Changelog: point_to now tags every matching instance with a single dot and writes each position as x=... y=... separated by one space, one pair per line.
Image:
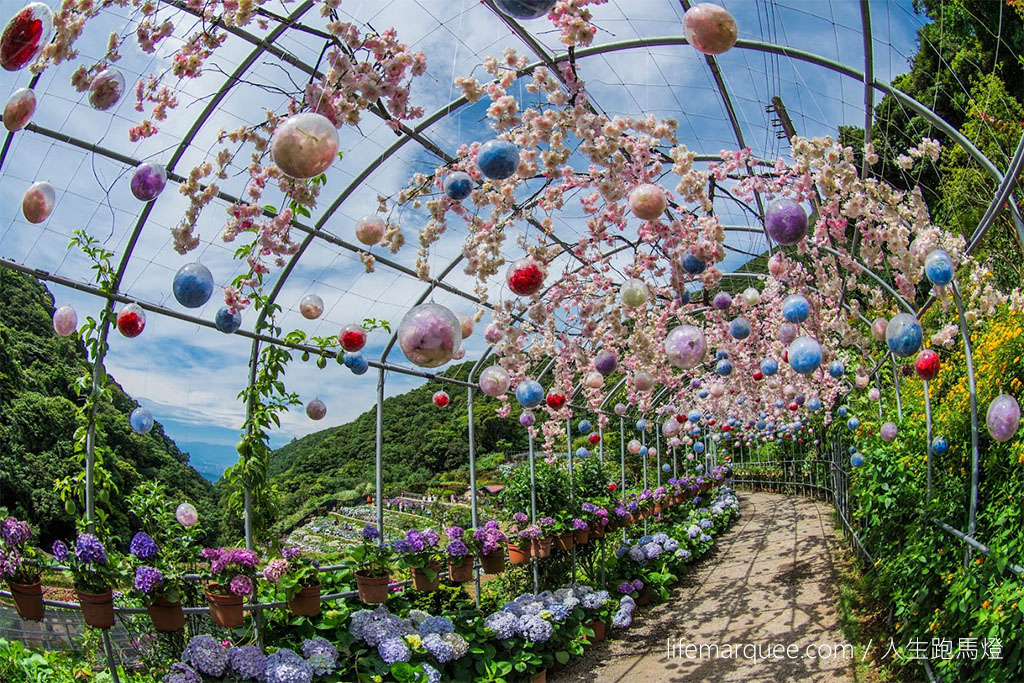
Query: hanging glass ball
x=709 y=28
x=670 y=428
x=856 y=460
x=527 y=418
x=494 y=381
x=1003 y=417
x=594 y=379
x=355 y=361
x=304 y=145
x=605 y=362
x=19 y=108
x=131 y=321
x=106 y=89
x=842 y=411
x=186 y=515
x=227 y=321
x=65 y=321
x=458 y=185
x=37 y=202
x=193 y=285
x=703 y=393
x=722 y=301
x=582 y=453
x=852 y=423
x=769 y=366
x=316 y=409
x=441 y=399
x=693 y=265
x=861 y=381
x=620 y=409
x=888 y=431
x=787 y=333
x=938 y=267
x=311 y=306
x=698 y=447
x=525 y=277
x=594 y=438
x=874 y=394
x=878 y=327
x=141 y=420
x=641 y=425
x=525 y=9
x=751 y=296
x=804 y=355
x=352 y=337
x=25 y=36
x=723 y=368
x=634 y=446
x=739 y=328
x=497 y=159
x=795 y=308
x=927 y=365
x=717 y=390
x=648 y=202
x=530 y=393
x=940 y=446
x=685 y=347
x=584 y=426
x=634 y=293
x=786 y=221
x=429 y=335
x=148 y=181
x=653 y=452
x=465 y=325
x=555 y=400
x=903 y=335
x=814 y=404
x=493 y=334
x=370 y=230
x=643 y=380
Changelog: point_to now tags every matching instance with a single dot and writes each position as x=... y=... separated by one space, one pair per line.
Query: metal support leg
x=533 y=510
x=472 y=489
x=973 y=390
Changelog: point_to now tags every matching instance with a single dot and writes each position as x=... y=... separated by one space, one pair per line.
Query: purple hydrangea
x=454 y=532
x=394 y=650
x=636 y=553
x=403 y=546
x=321 y=655
x=534 y=629
x=431 y=537
x=243 y=557
x=147 y=579
x=241 y=585
x=89 y=550
x=438 y=648
x=14 y=532
x=285 y=666
x=290 y=552
x=182 y=673
x=439 y=625
x=578 y=524
x=275 y=569
x=60 y=551
x=504 y=624
x=204 y=654
x=622 y=619
x=559 y=611
x=589 y=507
x=143 y=546
x=531 y=532
x=520 y=518
x=625 y=588
x=247 y=663
x=652 y=550
x=433 y=675
x=594 y=600
x=370 y=533
x=456 y=548
x=638 y=585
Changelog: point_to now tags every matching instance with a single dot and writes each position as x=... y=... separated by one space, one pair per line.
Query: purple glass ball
x=527 y=419
x=722 y=301
x=889 y=431
x=786 y=221
x=148 y=181
x=787 y=333
x=1003 y=417
x=605 y=362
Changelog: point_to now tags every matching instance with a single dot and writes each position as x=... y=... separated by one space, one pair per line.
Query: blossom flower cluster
x=204 y=658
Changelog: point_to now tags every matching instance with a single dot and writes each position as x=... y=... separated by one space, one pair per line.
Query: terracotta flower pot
x=518 y=554
x=612 y=526
x=541 y=547
x=28 y=598
x=658 y=507
x=422 y=582
x=582 y=536
x=597 y=530
x=598 y=627
x=97 y=608
x=628 y=520
x=166 y=616
x=645 y=596
x=565 y=541
x=306 y=603
x=225 y=609
x=461 y=573
x=494 y=563
x=373 y=590
x=540 y=677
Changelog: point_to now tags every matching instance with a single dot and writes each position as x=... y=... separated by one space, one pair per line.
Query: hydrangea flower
x=454 y=532
x=636 y=553
x=638 y=585
x=204 y=654
x=440 y=625
x=693 y=531
x=285 y=666
x=90 y=550
x=275 y=569
x=241 y=585
x=60 y=551
x=578 y=524
x=625 y=588
x=438 y=648
x=433 y=675
x=622 y=619
x=520 y=518
x=705 y=523
x=247 y=663
x=621 y=551
x=143 y=546
x=534 y=629
x=321 y=655
x=182 y=673
x=683 y=554
x=594 y=600
x=559 y=611
x=456 y=548
x=670 y=545
x=394 y=650
x=290 y=552
x=370 y=533
x=15 y=532
x=503 y=623
x=147 y=579
x=652 y=550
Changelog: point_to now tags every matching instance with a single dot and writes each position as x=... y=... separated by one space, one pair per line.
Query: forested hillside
x=38 y=371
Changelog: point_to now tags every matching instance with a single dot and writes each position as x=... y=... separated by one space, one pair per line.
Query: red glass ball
x=612 y=487
x=758 y=375
x=927 y=365
x=726 y=428
x=525 y=278
x=594 y=438
x=711 y=423
x=555 y=400
x=793 y=406
x=131 y=321
x=441 y=399
x=352 y=340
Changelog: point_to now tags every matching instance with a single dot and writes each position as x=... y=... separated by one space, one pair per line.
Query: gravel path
x=770 y=583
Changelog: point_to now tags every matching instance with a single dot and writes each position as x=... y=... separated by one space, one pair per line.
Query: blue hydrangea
x=356 y=623
x=204 y=654
x=417 y=617
x=660 y=537
x=622 y=619
x=535 y=629
x=595 y=600
x=182 y=673
x=535 y=607
x=670 y=545
x=705 y=523
x=438 y=648
x=652 y=550
x=644 y=540
x=693 y=531
x=394 y=650
x=637 y=554
x=143 y=546
x=433 y=675
x=458 y=644
x=504 y=624
x=683 y=554
x=321 y=655
x=559 y=611
x=570 y=602
x=704 y=538
x=627 y=603
x=621 y=551
x=247 y=663
x=286 y=666
x=436 y=625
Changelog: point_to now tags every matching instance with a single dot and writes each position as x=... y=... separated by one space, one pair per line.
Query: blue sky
x=189 y=376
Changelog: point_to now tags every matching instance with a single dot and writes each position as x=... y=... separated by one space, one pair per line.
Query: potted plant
x=581 y=531
x=231 y=578
x=460 y=555
x=520 y=551
x=596 y=610
x=299 y=576
x=489 y=540
x=156 y=583
x=564 y=533
x=541 y=546
x=373 y=566
x=22 y=566
x=94 y=574
x=419 y=552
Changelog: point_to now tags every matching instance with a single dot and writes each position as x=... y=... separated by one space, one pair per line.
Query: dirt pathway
x=769 y=586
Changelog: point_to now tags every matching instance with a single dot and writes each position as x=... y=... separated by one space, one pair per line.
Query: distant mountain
x=38 y=370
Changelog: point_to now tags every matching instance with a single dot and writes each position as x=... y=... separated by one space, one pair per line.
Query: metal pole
x=643 y=442
x=878 y=383
x=622 y=467
x=533 y=509
x=380 y=454
x=657 y=437
x=568 y=448
x=972 y=388
x=472 y=489
x=896 y=382
x=928 y=435
x=600 y=443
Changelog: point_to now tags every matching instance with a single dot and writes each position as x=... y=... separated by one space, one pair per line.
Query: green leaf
x=562 y=656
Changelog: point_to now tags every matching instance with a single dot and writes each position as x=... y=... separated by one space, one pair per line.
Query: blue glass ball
x=857 y=460
x=903 y=334
x=853 y=423
x=761 y=425
x=582 y=452
x=814 y=404
x=703 y=393
x=584 y=426
x=694 y=416
x=141 y=420
x=193 y=285
x=497 y=159
x=693 y=265
x=228 y=322
x=723 y=368
x=356 y=362
x=525 y=9
x=779 y=403
x=796 y=308
x=720 y=354
x=836 y=369
x=739 y=328
x=698 y=447
x=641 y=425
x=699 y=468
x=458 y=185
x=938 y=267
x=804 y=355
x=530 y=393
x=940 y=446
x=853 y=449
x=684 y=297
x=666 y=468
x=769 y=366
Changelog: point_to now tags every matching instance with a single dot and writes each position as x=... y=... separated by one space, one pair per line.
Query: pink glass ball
x=370 y=230
x=670 y=428
x=874 y=394
x=878 y=328
x=594 y=379
x=494 y=381
x=493 y=334
x=18 y=110
x=311 y=306
x=710 y=28
x=634 y=446
x=186 y=515
x=37 y=202
x=888 y=431
x=106 y=89
x=304 y=145
x=1003 y=417
x=643 y=380
x=620 y=409
x=65 y=321
x=316 y=409
x=648 y=202
x=527 y=418
x=787 y=333
x=429 y=335
x=862 y=381
x=717 y=390
x=148 y=181
x=466 y=324
x=685 y=347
